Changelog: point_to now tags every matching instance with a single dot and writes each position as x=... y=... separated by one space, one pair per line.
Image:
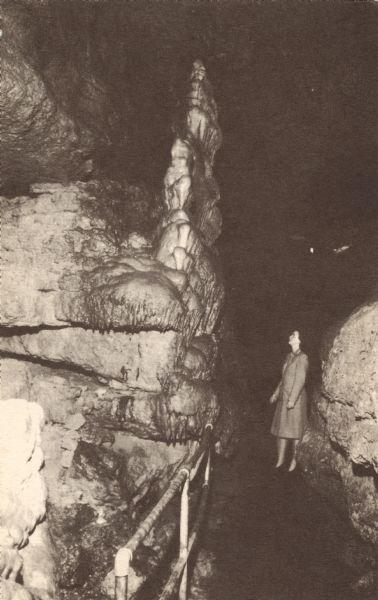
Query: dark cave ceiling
x=296 y=85
x=90 y=89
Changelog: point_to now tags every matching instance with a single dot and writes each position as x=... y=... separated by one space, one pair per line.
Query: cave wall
x=111 y=322
x=111 y=314
x=23 y=503
x=61 y=117
x=339 y=451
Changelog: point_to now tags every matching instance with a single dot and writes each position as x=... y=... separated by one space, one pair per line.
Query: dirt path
x=270 y=534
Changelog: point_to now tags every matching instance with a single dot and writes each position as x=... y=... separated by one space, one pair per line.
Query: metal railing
x=179 y=482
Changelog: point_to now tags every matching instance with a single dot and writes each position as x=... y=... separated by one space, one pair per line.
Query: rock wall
x=59 y=116
x=23 y=504
x=111 y=321
x=339 y=452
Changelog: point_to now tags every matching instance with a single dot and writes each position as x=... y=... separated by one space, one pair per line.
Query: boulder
x=339 y=451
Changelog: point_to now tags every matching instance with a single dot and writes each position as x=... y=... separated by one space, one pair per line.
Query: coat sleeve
x=301 y=368
x=277 y=391
x=278 y=388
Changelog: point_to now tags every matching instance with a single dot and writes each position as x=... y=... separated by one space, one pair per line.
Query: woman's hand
x=290 y=405
x=273 y=398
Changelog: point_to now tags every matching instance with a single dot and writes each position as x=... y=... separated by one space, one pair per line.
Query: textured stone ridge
x=189 y=178
x=127 y=358
x=185 y=242
x=111 y=314
x=339 y=452
x=63 y=263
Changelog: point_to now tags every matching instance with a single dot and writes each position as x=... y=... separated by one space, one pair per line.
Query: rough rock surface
x=62 y=256
x=25 y=545
x=126 y=358
x=339 y=452
x=57 y=116
x=111 y=314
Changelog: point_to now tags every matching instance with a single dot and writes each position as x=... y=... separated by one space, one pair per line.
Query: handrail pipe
x=181 y=479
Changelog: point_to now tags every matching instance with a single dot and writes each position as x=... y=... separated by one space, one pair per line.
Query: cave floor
x=272 y=537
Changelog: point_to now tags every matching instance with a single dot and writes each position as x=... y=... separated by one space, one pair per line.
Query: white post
x=121 y=572
x=207 y=470
x=184 y=533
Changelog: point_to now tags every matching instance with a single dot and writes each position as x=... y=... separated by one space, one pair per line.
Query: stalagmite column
x=192 y=220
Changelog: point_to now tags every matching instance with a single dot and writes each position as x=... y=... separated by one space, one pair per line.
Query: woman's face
x=294 y=340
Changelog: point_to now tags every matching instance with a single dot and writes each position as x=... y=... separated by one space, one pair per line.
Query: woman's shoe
x=293 y=466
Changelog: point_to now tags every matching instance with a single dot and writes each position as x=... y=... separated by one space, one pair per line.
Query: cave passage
x=295 y=86
x=273 y=537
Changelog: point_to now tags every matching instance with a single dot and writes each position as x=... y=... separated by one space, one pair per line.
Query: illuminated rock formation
x=339 y=452
x=111 y=314
x=113 y=304
x=23 y=504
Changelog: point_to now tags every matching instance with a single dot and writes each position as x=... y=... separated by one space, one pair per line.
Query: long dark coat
x=291 y=423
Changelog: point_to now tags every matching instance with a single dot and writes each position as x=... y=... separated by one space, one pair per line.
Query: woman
x=290 y=416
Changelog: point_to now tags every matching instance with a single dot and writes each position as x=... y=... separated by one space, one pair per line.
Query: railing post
x=184 y=534
x=121 y=588
x=180 y=481
x=121 y=572
x=207 y=470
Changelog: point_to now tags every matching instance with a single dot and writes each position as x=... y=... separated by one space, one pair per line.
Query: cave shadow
x=363 y=472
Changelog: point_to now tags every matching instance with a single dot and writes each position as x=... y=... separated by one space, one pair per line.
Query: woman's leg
x=293 y=463
x=281 y=451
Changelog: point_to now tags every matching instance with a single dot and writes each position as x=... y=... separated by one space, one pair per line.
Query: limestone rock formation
x=59 y=248
x=56 y=117
x=23 y=503
x=111 y=313
x=190 y=173
x=339 y=452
